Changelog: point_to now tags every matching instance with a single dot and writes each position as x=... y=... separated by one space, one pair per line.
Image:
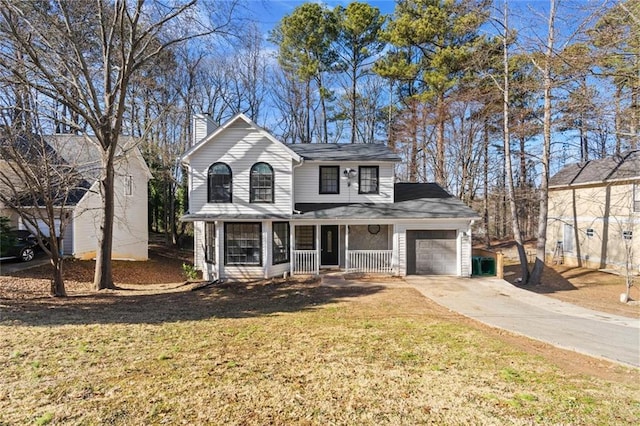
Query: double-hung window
x=209 y=242
x=305 y=237
x=261 y=184
x=368 y=180
x=280 y=242
x=329 y=179
x=219 y=183
x=243 y=243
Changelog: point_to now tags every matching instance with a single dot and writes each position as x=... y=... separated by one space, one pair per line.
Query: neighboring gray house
x=130 y=232
x=262 y=208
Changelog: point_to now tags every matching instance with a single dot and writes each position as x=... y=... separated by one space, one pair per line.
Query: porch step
x=334 y=278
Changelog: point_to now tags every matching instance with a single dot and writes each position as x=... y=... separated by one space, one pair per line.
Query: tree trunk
x=413 y=161
x=538 y=267
x=102 y=278
x=485 y=204
x=440 y=107
x=515 y=224
x=354 y=93
x=618 y=120
x=57 y=288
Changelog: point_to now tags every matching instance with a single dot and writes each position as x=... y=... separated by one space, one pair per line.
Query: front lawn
x=282 y=353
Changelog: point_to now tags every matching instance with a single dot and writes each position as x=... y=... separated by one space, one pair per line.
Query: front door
x=329 y=245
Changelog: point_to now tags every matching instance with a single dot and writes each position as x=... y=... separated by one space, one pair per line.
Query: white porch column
x=266 y=247
x=346 y=248
x=292 y=240
x=218 y=250
x=395 y=261
x=318 y=249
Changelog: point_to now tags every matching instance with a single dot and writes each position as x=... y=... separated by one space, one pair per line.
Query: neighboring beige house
x=594 y=213
x=262 y=208
x=130 y=233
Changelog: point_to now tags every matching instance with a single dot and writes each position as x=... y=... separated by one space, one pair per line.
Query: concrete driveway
x=8 y=267
x=499 y=304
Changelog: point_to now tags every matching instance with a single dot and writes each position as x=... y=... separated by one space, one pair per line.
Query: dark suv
x=20 y=244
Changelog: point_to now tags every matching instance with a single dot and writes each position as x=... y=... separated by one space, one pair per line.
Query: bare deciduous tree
x=85 y=54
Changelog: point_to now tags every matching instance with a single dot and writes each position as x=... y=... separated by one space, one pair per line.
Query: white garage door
x=432 y=252
x=436 y=257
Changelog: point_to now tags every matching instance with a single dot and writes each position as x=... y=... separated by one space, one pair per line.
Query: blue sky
x=269 y=12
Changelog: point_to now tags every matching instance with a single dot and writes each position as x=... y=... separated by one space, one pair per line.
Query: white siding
x=240 y=149
x=307 y=186
x=130 y=226
x=198 y=246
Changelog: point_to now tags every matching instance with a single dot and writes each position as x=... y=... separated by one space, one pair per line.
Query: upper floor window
x=261 y=184
x=636 y=197
x=219 y=183
x=329 y=179
x=368 y=182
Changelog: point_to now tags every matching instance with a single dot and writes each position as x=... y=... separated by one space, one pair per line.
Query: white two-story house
x=262 y=208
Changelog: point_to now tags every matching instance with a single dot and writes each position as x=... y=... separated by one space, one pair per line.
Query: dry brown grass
x=282 y=352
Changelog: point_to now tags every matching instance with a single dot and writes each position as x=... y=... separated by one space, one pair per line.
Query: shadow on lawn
x=552 y=281
x=233 y=300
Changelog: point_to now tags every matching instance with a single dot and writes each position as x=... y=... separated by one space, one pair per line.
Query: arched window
x=219 y=183
x=261 y=185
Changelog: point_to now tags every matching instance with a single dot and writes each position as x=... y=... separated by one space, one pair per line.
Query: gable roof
x=616 y=168
x=82 y=152
x=67 y=186
x=344 y=152
x=233 y=121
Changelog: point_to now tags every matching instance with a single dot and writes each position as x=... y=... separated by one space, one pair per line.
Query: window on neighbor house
x=568 y=238
x=329 y=179
x=261 y=184
x=636 y=197
x=219 y=183
x=280 y=243
x=128 y=185
x=243 y=243
x=209 y=242
x=368 y=180
x=305 y=237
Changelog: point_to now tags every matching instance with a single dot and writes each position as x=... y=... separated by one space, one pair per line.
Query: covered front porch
x=356 y=247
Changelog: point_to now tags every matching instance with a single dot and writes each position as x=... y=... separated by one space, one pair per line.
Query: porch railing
x=304 y=262
x=370 y=261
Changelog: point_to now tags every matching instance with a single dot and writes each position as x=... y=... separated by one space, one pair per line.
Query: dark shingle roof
x=412 y=201
x=413 y=191
x=617 y=167
x=344 y=152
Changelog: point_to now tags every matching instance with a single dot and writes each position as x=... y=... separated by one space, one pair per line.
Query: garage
x=432 y=252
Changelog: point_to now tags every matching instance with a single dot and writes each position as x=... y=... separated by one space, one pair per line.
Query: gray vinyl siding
x=67 y=239
x=240 y=149
x=307 y=187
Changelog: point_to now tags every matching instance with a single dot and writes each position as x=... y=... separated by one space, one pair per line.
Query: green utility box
x=476 y=262
x=483 y=265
